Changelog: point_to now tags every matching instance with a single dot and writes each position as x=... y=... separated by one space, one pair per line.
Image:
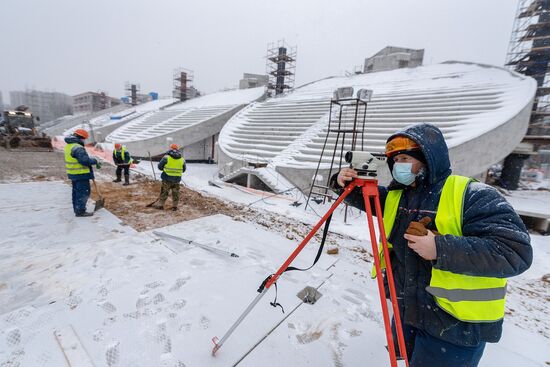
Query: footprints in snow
x=360 y=305
x=13 y=341
x=112 y=354
x=107 y=307
x=204 y=322
x=180 y=282
x=356 y=297
x=13 y=337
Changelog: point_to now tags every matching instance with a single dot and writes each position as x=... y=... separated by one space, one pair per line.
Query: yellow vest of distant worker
x=71 y=163
x=120 y=155
x=467 y=298
x=174 y=167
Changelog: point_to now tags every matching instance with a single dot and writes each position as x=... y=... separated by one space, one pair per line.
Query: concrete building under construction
x=46 y=105
x=89 y=102
x=253 y=81
x=391 y=58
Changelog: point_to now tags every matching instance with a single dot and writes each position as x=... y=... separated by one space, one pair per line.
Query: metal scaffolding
x=103 y=100
x=529 y=54
x=182 y=84
x=345 y=132
x=280 y=66
x=132 y=90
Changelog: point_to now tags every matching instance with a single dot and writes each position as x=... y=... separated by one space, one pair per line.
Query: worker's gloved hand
x=420 y=228
x=98 y=165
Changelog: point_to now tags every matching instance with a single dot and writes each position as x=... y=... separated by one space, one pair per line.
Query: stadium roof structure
x=482 y=110
x=183 y=123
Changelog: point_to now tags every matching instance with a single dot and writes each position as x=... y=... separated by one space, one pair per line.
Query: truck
x=18 y=130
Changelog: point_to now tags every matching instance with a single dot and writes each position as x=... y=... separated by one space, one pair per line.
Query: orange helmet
x=118 y=146
x=400 y=144
x=81 y=133
x=174 y=146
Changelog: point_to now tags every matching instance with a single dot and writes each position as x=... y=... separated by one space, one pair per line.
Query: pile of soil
x=18 y=165
x=129 y=203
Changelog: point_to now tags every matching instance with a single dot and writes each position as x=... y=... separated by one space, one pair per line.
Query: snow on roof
x=58 y=126
x=181 y=115
x=119 y=116
x=141 y=108
x=227 y=97
x=465 y=100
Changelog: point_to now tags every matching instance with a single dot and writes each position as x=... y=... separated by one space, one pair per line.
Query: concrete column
x=511 y=170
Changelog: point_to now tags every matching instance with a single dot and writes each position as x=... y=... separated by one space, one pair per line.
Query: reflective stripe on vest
x=71 y=163
x=390 y=212
x=120 y=155
x=467 y=298
x=174 y=167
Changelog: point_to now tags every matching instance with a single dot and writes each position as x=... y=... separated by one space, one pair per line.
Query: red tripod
x=369 y=188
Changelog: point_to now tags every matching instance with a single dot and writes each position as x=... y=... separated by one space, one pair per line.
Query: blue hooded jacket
x=176 y=155
x=82 y=157
x=495 y=242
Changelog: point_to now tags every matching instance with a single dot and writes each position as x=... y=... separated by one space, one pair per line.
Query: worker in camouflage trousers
x=79 y=170
x=453 y=242
x=122 y=159
x=172 y=166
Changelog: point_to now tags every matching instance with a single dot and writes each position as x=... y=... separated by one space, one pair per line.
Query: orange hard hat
x=174 y=146
x=82 y=133
x=118 y=146
x=400 y=144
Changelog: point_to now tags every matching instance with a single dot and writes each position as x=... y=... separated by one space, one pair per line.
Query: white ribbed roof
x=464 y=100
x=157 y=124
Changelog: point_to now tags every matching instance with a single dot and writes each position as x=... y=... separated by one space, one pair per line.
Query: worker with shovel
x=453 y=242
x=172 y=166
x=122 y=159
x=79 y=169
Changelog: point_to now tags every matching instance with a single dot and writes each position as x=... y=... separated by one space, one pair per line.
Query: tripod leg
x=391 y=284
x=381 y=291
x=273 y=278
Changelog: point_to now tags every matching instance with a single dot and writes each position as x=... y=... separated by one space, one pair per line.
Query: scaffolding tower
x=103 y=100
x=529 y=54
x=132 y=90
x=345 y=132
x=280 y=67
x=182 y=84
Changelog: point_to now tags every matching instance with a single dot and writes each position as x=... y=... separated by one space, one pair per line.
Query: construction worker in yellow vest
x=172 y=166
x=79 y=170
x=122 y=160
x=454 y=241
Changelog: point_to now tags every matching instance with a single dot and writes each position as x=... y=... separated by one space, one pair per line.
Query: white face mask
x=402 y=173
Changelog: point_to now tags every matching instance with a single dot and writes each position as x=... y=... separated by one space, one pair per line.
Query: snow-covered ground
x=123 y=298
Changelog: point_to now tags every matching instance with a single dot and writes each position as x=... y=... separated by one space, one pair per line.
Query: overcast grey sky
x=72 y=46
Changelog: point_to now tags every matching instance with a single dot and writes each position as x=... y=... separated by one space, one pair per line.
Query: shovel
x=100 y=202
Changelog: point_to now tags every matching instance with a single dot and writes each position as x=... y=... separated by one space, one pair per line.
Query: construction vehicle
x=18 y=130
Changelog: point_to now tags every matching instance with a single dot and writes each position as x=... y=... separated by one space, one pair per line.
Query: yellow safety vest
x=174 y=167
x=467 y=298
x=72 y=165
x=122 y=152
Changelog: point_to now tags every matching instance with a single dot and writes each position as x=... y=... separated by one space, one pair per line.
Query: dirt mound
x=19 y=165
x=129 y=203
x=25 y=141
